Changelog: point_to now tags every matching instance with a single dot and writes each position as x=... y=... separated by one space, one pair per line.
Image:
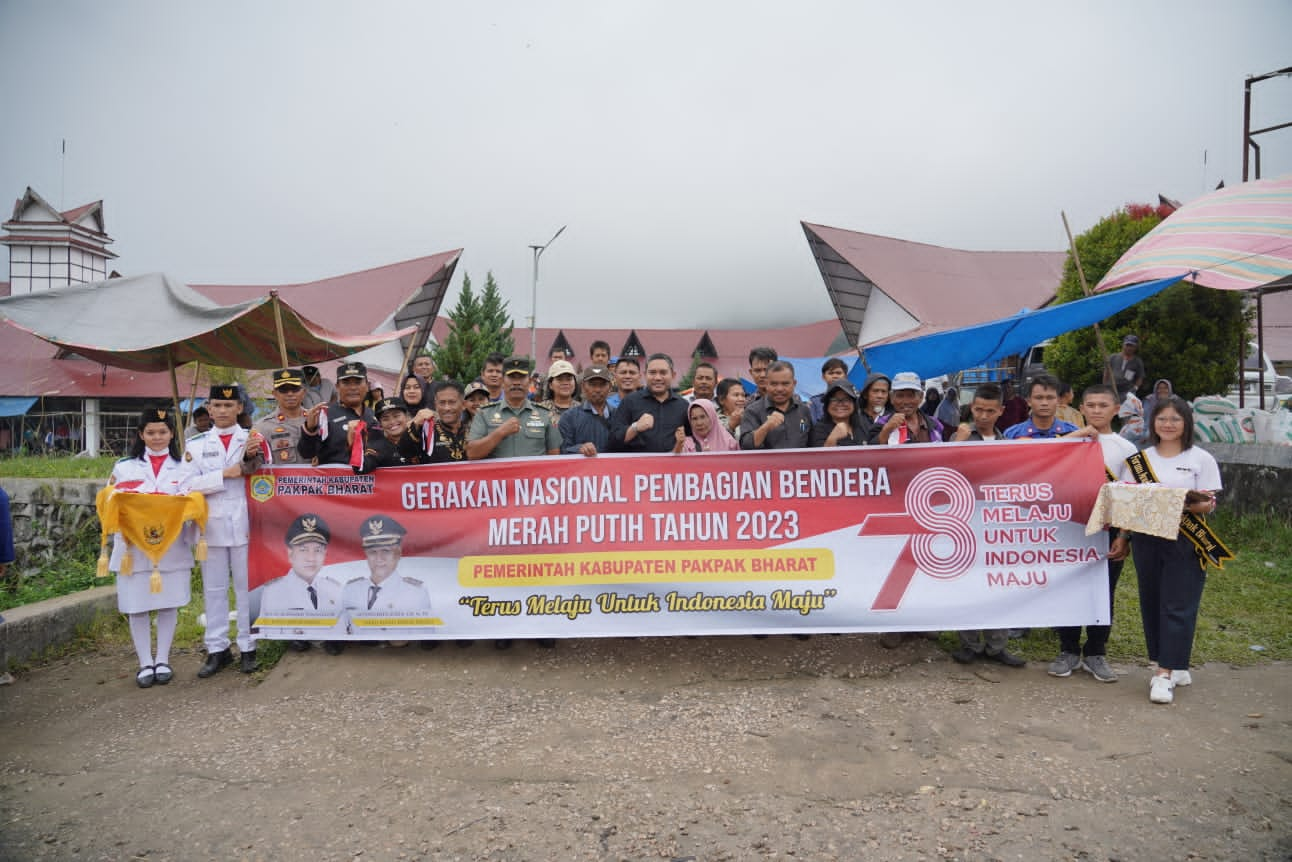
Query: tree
x=1188 y=334
x=478 y=326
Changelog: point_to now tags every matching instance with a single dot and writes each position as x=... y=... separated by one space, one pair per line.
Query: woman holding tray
x=1171 y=572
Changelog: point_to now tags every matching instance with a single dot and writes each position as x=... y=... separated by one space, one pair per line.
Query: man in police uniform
x=397 y=444
x=384 y=589
x=514 y=426
x=281 y=430
x=303 y=588
x=324 y=432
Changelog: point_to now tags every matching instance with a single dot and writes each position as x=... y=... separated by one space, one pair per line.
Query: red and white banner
x=864 y=539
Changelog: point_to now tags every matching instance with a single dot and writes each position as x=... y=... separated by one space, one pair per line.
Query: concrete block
x=31 y=630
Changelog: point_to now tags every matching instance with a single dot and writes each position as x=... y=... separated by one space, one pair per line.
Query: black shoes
x=1005 y=657
x=333 y=647
x=162 y=674
x=146 y=677
x=249 y=661
x=428 y=645
x=215 y=662
x=964 y=655
x=298 y=646
x=502 y=644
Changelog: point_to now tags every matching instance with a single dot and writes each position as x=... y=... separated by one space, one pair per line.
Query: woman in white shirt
x=1170 y=573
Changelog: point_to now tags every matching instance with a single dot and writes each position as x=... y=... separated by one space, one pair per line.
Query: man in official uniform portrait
x=384 y=589
x=304 y=588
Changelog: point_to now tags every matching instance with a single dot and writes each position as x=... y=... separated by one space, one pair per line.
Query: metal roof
x=940 y=288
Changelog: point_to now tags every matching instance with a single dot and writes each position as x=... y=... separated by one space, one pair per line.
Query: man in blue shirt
x=1043 y=421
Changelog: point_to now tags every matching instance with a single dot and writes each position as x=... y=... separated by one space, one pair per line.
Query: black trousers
x=1096 y=636
x=1170 y=590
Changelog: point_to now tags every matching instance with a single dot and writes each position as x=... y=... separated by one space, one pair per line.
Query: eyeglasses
x=842 y=401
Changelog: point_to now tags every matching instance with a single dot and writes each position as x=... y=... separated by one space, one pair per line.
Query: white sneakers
x=1161 y=689
x=1181 y=677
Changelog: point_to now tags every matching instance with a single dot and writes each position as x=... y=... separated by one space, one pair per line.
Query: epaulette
x=354 y=580
x=412 y=582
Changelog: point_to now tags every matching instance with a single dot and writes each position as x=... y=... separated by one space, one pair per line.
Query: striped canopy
x=152 y=323
x=1232 y=239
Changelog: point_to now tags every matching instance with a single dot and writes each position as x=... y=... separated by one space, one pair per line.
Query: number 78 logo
x=939 y=504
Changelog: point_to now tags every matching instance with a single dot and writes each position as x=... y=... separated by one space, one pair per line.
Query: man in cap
x=384 y=589
x=778 y=420
x=515 y=426
x=325 y=437
x=218 y=465
x=281 y=430
x=304 y=588
x=317 y=390
x=1126 y=370
x=397 y=445
x=585 y=428
x=906 y=424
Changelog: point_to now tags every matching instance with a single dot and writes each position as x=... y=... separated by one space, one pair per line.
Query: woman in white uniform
x=153 y=467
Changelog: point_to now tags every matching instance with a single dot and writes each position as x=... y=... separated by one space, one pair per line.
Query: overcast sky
x=682 y=142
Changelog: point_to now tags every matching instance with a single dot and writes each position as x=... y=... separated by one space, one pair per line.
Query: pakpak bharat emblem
x=262 y=488
x=153 y=534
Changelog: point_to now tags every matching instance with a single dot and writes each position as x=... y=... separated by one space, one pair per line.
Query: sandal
x=162 y=673
x=146 y=677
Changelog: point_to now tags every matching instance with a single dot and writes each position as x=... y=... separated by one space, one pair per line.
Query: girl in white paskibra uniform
x=153 y=467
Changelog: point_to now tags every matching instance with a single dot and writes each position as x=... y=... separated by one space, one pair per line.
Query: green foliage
x=1190 y=335
x=478 y=326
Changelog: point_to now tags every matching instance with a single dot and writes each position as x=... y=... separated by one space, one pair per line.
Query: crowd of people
x=630 y=406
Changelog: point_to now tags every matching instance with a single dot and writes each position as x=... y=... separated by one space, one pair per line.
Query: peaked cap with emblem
x=308 y=528
x=516 y=365
x=225 y=392
x=389 y=404
x=289 y=377
x=380 y=531
x=351 y=369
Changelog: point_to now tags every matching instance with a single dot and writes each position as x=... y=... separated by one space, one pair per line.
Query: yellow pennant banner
x=150 y=522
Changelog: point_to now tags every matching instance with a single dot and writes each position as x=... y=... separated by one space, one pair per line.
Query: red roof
x=732 y=345
x=357 y=302
x=942 y=288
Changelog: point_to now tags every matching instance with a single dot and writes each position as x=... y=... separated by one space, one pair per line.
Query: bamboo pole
x=278 y=325
x=174 y=394
x=1085 y=289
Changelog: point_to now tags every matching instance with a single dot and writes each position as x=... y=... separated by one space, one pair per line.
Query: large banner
x=865 y=539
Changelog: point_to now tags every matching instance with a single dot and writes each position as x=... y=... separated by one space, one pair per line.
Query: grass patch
x=57 y=467
x=1243 y=606
x=75 y=571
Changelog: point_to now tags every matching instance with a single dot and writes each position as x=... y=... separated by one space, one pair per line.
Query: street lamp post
x=533 y=305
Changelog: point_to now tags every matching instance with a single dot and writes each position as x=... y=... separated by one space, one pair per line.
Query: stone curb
x=31 y=630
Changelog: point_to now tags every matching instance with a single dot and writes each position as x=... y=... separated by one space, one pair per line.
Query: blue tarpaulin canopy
x=11 y=406
x=984 y=343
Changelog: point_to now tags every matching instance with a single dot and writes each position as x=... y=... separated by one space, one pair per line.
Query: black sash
x=1206 y=544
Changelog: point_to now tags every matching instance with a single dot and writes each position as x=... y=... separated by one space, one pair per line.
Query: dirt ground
x=682 y=749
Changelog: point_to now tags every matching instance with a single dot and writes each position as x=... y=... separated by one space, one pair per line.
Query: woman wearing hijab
x=931 y=401
x=1162 y=391
x=948 y=412
x=416 y=393
x=843 y=424
x=708 y=434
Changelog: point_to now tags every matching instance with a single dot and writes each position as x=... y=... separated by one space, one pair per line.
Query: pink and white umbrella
x=1234 y=238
